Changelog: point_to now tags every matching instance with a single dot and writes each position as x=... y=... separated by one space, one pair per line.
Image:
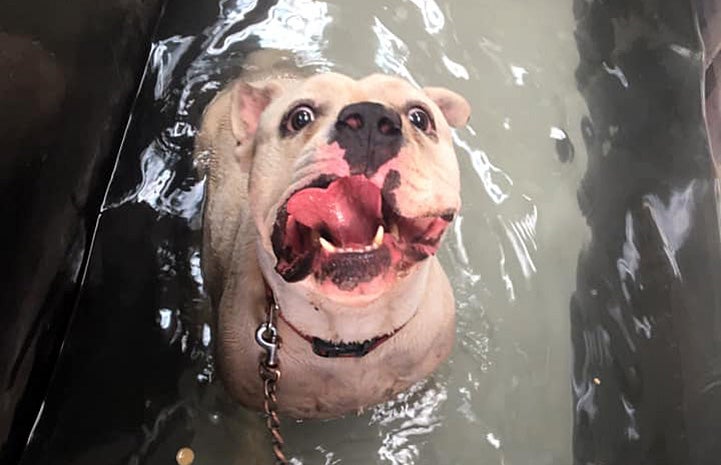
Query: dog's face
x=353 y=182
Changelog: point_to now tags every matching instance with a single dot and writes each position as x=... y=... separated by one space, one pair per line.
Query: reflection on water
x=504 y=395
x=621 y=226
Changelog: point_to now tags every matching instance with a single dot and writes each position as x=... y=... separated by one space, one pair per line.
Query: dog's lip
x=350 y=255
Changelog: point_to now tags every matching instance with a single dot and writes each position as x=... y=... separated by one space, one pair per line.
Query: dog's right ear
x=246 y=106
x=454 y=107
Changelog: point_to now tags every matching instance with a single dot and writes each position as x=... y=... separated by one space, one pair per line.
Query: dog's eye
x=420 y=119
x=300 y=117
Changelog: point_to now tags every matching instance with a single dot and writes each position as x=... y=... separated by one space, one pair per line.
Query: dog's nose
x=371 y=135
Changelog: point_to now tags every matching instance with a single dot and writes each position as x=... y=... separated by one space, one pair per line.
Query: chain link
x=267 y=337
x=270 y=377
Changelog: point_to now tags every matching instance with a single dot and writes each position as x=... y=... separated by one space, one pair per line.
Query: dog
x=329 y=196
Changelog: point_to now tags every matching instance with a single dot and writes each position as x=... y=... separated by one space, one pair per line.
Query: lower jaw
x=362 y=293
x=386 y=286
x=374 y=308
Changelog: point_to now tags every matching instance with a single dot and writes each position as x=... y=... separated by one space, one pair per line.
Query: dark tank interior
x=106 y=332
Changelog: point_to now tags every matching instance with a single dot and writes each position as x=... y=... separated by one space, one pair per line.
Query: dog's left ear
x=454 y=107
x=247 y=104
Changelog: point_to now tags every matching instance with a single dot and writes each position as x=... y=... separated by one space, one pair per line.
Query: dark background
x=649 y=198
x=68 y=75
x=69 y=72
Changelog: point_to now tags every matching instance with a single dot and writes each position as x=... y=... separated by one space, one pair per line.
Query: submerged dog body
x=334 y=194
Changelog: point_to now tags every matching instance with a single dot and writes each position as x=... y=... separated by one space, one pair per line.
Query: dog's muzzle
x=347 y=233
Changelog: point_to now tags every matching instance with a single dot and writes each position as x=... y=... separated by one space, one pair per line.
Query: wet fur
x=234 y=255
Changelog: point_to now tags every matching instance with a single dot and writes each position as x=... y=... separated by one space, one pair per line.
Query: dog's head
x=353 y=182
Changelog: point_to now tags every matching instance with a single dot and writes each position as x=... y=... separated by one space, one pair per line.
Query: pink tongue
x=349 y=209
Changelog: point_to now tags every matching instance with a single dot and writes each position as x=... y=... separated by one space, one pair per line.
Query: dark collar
x=330 y=349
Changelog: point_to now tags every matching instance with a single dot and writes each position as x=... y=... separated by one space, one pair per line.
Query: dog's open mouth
x=343 y=231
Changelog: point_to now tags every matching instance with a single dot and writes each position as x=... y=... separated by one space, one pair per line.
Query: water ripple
x=433 y=18
x=405 y=420
x=490 y=175
x=392 y=53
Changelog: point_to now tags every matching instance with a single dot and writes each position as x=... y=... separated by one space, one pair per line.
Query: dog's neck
x=317 y=316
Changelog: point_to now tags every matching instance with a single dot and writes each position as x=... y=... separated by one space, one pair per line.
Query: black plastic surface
x=68 y=75
x=646 y=316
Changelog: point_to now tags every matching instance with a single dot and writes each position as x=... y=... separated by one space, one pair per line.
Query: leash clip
x=267 y=336
x=268 y=339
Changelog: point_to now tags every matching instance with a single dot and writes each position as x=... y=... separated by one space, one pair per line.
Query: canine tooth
x=327 y=245
x=378 y=238
x=394 y=231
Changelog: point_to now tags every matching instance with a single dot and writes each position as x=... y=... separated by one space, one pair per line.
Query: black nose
x=371 y=135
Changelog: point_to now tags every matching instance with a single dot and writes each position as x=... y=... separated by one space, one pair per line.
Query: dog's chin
x=361 y=294
x=343 y=239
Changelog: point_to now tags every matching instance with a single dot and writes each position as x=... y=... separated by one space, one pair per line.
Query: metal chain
x=267 y=337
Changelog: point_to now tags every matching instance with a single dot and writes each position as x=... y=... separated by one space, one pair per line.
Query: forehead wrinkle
x=389 y=84
x=328 y=84
x=394 y=92
x=328 y=93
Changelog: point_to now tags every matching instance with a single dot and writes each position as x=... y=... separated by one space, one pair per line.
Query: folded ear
x=247 y=104
x=455 y=108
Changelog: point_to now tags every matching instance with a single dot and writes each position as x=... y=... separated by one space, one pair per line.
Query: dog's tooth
x=378 y=238
x=394 y=231
x=368 y=248
x=327 y=245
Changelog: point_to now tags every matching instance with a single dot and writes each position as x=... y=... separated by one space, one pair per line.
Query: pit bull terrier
x=329 y=196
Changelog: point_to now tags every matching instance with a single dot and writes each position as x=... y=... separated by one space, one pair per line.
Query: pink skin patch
x=329 y=159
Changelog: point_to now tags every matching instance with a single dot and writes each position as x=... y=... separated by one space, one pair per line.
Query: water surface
x=504 y=397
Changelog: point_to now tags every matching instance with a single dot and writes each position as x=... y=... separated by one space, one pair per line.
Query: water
x=504 y=397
